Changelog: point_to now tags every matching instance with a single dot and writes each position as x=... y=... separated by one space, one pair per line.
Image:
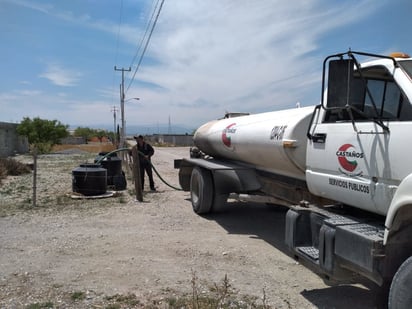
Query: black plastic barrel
x=89 y=179
x=113 y=165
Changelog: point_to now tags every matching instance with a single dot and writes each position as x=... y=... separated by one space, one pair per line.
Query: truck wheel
x=400 y=296
x=201 y=190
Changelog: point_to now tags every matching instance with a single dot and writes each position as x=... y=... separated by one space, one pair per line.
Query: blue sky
x=205 y=57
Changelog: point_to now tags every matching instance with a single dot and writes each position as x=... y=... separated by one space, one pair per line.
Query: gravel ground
x=120 y=253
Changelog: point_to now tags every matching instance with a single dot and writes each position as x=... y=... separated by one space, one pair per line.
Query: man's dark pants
x=148 y=169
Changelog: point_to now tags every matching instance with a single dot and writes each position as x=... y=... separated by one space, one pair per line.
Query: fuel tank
x=274 y=142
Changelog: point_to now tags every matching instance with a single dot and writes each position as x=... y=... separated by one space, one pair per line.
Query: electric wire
x=137 y=67
x=117 y=49
x=146 y=45
x=118 y=31
x=145 y=34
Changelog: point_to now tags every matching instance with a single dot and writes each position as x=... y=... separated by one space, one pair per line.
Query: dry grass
x=12 y=167
x=54 y=177
x=203 y=296
x=54 y=182
x=91 y=147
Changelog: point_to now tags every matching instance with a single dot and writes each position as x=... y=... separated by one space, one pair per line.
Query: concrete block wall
x=172 y=139
x=10 y=142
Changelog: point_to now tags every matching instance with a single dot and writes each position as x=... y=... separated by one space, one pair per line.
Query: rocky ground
x=120 y=253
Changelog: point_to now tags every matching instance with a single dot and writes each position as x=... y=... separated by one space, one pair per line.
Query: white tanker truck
x=343 y=168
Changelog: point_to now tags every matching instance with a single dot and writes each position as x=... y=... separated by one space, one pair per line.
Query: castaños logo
x=226 y=138
x=347 y=157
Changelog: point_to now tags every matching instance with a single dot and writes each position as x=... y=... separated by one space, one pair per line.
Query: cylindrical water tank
x=89 y=179
x=113 y=165
x=274 y=142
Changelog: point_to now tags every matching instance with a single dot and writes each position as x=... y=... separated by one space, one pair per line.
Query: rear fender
x=227 y=177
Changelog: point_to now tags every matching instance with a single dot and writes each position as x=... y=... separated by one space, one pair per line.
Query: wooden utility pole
x=114 y=110
x=34 y=201
x=136 y=174
x=122 y=132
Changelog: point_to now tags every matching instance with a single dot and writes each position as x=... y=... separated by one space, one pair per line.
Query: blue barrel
x=89 y=179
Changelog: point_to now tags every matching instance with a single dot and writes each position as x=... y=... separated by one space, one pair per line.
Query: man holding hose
x=146 y=151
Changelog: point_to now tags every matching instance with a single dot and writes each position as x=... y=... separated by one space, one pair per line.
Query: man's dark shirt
x=147 y=150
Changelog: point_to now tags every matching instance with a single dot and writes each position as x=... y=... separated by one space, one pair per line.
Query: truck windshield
x=407 y=67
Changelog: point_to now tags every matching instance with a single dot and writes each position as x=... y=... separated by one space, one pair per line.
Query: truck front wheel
x=201 y=190
x=400 y=296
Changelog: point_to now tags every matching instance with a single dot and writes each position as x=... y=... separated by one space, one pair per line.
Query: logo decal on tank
x=347 y=158
x=226 y=138
x=278 y=132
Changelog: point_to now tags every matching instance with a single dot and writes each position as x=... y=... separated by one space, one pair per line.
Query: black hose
x=109 y=153
x=164 y=181
x=141 y=153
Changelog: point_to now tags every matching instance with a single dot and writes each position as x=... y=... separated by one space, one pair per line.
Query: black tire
x=400 y=296
x=201 y=190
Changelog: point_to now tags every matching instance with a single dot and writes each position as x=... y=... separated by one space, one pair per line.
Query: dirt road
x=153 y=250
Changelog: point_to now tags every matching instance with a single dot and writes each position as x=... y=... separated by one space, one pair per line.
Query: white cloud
x=129 y=33
x=36 y=103
x=40 y=7
x=25 y=82
x=207 y=57
x=31 y=93
x=60 y=76
x=244 y=55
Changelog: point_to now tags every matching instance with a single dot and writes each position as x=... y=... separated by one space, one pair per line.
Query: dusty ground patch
x=85 y=253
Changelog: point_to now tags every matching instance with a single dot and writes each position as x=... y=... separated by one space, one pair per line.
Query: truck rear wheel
x=201 y=190
x=400 y=296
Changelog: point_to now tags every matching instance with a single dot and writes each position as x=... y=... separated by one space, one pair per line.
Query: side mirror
x=340 y=83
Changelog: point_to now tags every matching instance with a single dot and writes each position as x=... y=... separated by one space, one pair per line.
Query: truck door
x=356 y=151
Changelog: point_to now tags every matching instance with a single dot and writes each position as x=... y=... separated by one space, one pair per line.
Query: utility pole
x=169 y=129
x=114 y=110
x=122 y=131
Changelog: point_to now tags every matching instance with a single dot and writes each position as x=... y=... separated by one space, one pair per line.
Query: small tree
x=41 y=133
x=100 y=134
x=84 y=132
x=112 y=136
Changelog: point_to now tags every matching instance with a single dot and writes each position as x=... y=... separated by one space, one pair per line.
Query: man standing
x=146 y=151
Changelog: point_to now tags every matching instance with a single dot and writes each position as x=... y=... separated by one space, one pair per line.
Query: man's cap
x=136 y=137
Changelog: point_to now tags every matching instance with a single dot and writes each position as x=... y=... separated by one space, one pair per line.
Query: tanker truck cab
x=358 y=153
x=357 y=148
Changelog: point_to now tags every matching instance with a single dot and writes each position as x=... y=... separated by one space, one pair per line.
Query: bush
x=42 y=148
x=12 y=167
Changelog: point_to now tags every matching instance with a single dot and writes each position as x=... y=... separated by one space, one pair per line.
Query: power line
x=146 y=45
x=117 y=46
x=118 y=31
x=145 y=33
